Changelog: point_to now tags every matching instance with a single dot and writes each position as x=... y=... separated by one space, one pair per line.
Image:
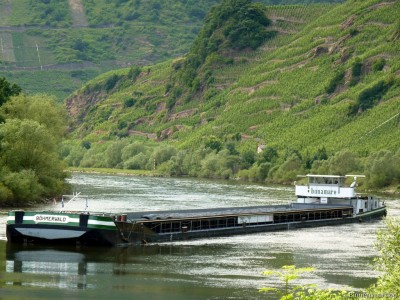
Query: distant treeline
x=217 y=159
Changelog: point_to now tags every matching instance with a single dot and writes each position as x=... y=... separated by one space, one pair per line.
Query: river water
x=217 y=268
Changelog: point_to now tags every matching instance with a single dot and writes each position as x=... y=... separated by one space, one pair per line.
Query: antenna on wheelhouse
x=354 y=183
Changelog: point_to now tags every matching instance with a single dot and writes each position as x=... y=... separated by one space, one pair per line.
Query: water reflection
x=56 y=264
x=158 y=271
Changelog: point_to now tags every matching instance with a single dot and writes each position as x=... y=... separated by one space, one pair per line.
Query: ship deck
x=228 y=211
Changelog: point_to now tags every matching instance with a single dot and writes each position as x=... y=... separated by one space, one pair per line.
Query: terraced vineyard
x=75 y=40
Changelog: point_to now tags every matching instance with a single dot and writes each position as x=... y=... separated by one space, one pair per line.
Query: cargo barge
x=323 y=200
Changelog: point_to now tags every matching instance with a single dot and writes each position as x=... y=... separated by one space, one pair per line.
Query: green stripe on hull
x=381 y=210
x=64 y=219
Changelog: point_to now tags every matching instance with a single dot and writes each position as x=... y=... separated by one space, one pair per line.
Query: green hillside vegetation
x=320 y=94
x=71 y=45
x=70 y=42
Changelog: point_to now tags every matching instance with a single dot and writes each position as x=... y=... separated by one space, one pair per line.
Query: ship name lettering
x=322 y=192
x=50 y=218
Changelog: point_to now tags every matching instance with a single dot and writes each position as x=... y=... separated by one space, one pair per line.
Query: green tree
x=269 y=154
x=94 y=157
x=161 y=155
x=382 y=168
x=7 y=90
x=113 y=154
x=73 y=154
x=288 y=171
x=31 y=167
x=24 y=185
x=192 y=162
x=28 y=150
x=133 y=149
x=248 y=158
x=40 y=108
x=232 y=24
x=177 y=167
x=342 y=163
x=137 y=162
x=213 y=143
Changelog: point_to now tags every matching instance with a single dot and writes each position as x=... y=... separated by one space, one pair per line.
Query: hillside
x=65 y=43
x=287 y=77
x=328 y=80
x=55 y=46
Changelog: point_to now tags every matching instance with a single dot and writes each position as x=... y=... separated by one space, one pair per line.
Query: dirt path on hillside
x=5 y=11
x=78 y=13
x=6 y=47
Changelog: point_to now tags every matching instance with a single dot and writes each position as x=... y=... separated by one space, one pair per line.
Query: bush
x=24 y=186
x=388 y=261
x=137 y=162
x=111 y=82
x=378 y=64
x=162 y=154
x=75 y=156
x=28 y=150
x=134 y=72
x=336 y=80
x=7 y=90
x=342 y=163
x=6 y=195
x=356 y=70
x=369 y=97
x=288 y=171
x=382 y=169
x=94 y=157
x=113 y=154
x=219 y=165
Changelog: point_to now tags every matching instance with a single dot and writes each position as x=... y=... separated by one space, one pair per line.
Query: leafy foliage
x=50 y=13
x=383 y=169
x=356 y=70
x=7 y=90
x=233 y=24
x=369 y=96
x=388 y=261
x=30 y=168
x=286 y=275
x=336 y=80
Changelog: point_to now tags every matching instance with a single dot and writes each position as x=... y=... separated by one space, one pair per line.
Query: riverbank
x=111 y=171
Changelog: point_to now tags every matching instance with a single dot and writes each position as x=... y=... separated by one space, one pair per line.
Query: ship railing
x=72 y=198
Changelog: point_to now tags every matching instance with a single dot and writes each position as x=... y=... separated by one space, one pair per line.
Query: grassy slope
x=114 y=34
x=284 y=108
x=117 y=35
x=273 y=96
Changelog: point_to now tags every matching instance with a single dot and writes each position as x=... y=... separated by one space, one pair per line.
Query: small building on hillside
x=261 y=148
